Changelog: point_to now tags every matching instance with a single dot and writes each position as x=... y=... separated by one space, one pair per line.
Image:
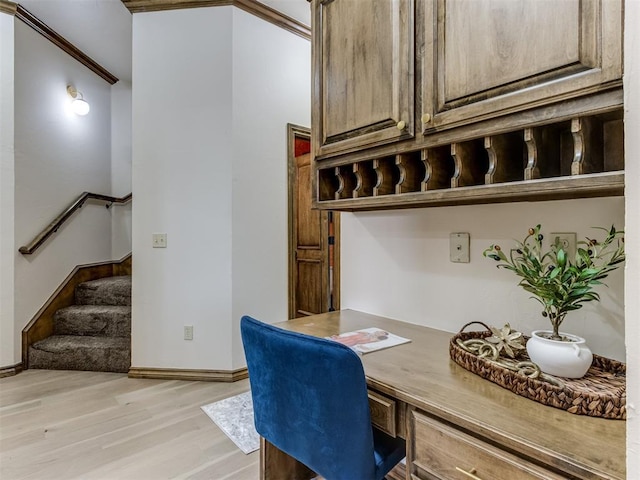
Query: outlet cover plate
x=459 y=247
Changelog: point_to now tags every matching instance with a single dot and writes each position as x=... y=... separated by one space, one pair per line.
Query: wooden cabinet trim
x=600 y=103
x=586 y=83
x=582 y=186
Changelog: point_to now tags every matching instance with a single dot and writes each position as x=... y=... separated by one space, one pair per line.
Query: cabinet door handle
x=470 y=473
x=426 y=118
x=401 y=125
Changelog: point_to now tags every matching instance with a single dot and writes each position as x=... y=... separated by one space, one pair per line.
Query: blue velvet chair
x=310 y=401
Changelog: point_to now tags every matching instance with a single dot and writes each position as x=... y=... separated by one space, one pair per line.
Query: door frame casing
x=293 y=132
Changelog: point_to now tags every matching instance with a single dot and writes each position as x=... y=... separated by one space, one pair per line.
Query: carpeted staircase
x=94 y=334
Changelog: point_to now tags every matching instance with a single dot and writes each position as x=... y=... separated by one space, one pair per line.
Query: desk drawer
x=383 y=412
x=440 y=452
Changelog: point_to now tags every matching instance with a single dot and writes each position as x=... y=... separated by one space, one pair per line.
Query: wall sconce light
x=79 y=105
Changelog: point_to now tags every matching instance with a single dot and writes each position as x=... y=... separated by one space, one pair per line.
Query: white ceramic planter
x=569 y=359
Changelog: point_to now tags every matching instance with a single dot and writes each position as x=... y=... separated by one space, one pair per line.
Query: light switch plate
x=459 y=247
x=159 y=240
x=188 y=332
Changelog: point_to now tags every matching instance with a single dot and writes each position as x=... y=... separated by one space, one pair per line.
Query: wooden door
x=313 y=251
x=363 y=73
x=488 y=58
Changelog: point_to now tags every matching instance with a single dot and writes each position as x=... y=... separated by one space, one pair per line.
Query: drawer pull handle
x=401 y=125
x=470 y=473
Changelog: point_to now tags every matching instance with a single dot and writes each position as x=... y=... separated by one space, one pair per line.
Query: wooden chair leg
x=275 y=464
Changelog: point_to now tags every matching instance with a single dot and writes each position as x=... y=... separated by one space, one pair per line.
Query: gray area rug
x=234 y=416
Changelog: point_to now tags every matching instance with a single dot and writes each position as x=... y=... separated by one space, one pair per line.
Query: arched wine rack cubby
x=573 y=158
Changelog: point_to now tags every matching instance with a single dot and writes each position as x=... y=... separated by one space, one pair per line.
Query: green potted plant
x=561 y=284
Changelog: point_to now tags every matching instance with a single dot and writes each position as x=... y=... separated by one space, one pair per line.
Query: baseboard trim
x=11 y=370
x=184 y=374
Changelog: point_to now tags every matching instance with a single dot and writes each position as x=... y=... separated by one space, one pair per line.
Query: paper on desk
x=369 y=340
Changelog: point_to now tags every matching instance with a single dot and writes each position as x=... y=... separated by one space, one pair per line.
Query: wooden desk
x=453 y=418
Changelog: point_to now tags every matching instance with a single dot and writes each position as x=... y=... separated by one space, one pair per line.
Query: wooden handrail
x=60 y=219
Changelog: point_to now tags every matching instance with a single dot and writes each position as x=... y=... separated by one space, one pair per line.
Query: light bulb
x=80 y=106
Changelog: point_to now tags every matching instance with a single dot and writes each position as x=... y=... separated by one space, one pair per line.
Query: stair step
x=97 y=320
x=105 y=291
x=72 y=352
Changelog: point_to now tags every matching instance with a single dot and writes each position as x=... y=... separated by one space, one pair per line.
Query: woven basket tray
x=602 y=392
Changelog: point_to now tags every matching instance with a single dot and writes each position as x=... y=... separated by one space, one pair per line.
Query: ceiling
x=102 y=28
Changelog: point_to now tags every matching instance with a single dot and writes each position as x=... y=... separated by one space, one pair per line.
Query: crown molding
x=273 y=16
x=139 y=6
x=54 y=37
x=250 y=6
x=8 y=7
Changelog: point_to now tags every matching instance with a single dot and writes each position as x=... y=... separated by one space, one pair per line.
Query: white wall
x=182 y=167
x=632 y=191
x=397 y=264
x=7 y=249
x=210 y=108
x=120 y=168
x=271 y=87
x=58 y=155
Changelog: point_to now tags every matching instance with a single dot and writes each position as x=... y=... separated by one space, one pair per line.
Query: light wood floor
x=62 y=425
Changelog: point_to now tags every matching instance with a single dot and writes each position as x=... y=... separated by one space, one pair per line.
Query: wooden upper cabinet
x=450 y=102
x=484 y=59
x=363 y=58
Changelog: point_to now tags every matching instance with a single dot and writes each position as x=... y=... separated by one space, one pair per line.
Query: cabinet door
x=488 y=58
x=363 y=73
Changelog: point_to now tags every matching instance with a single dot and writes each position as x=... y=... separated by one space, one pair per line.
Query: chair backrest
x=310 y=400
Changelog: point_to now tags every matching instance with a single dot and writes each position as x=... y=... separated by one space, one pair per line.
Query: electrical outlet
x=567 y=240
x=159 y=240
x=459 y=247
x=188 y=332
